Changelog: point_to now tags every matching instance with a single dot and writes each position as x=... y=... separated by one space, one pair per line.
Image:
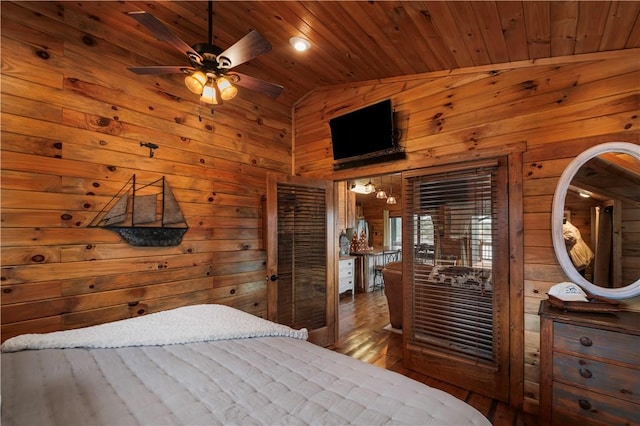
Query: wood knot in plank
x=43 y=54
x=88 y=40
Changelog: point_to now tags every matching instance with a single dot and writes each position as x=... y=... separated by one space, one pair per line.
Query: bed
x=206 y=365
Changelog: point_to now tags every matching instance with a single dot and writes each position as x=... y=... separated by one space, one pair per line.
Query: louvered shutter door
x=302 y=282
x=452 y=299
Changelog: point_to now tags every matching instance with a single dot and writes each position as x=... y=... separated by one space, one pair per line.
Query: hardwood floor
x=362 y=336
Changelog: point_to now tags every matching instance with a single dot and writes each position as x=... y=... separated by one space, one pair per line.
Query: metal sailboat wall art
x=144 y=215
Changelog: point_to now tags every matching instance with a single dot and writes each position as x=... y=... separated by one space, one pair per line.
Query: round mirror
x=608 y=176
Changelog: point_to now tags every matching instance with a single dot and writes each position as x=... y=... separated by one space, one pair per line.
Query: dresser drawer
x=346 y=263
x=345 y=268
x=597 y=343
x=590 y=407
x=613 y=380
x=343 y=273
x=345 y=284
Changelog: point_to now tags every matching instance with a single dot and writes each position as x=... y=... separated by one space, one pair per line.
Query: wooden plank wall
x=73 y=119
x=553 y=110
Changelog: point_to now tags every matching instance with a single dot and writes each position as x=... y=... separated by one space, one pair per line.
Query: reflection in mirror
x=596 y=220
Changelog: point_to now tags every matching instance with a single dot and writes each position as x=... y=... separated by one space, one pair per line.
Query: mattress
x=231 y=375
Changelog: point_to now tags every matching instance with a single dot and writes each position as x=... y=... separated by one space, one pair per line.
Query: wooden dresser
x=589 y=367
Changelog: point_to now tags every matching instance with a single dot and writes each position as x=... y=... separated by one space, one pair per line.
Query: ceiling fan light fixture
x=209 y=62
x=210 y=94
x=227 y=90
x=196 y=82
x=299 y=43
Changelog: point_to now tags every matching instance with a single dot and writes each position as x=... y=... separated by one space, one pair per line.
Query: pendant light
x=381 y=194
x=391 y=199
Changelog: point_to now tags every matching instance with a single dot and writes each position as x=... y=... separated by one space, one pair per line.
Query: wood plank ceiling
x=356 y=41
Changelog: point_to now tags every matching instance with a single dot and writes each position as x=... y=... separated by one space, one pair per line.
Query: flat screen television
x=364 y=136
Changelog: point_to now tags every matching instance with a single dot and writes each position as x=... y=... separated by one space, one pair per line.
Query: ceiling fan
x=209 y=74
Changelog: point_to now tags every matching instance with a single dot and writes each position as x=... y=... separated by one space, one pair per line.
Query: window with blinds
x=302 y=274
x=453 y=225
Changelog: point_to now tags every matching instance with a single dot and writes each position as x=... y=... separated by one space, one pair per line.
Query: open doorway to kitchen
x=369 y=215
x=377 y=201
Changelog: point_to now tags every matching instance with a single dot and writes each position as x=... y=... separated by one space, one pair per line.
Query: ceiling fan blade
x=270 y=89
x=245 y=49
x=163 y=33
x=164 y=69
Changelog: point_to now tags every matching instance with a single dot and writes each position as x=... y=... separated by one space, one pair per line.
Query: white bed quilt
x=269 y=376
x=188 y=324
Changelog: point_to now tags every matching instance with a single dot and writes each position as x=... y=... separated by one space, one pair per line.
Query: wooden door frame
x=327 y=335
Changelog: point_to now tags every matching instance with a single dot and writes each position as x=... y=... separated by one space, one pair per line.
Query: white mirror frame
x=557 y=212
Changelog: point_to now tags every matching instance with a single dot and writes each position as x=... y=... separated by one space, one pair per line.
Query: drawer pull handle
x=586 y=341
x=584 y=404
x=585 y=373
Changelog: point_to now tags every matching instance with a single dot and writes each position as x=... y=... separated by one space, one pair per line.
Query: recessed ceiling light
x=299 y=43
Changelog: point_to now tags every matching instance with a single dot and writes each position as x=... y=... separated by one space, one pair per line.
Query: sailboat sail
x=144 y=209
x=118 y=213
x=172 y=212
x=146 y=218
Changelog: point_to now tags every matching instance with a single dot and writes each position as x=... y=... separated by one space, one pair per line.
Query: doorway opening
x=369 y=205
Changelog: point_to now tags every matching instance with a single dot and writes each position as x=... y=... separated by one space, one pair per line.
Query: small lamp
x=391 y=199
x=210 y=94
x=381 y=194
x=227 y=90
x=196 y=82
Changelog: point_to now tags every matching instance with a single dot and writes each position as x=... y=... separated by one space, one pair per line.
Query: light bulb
x=299 y=43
